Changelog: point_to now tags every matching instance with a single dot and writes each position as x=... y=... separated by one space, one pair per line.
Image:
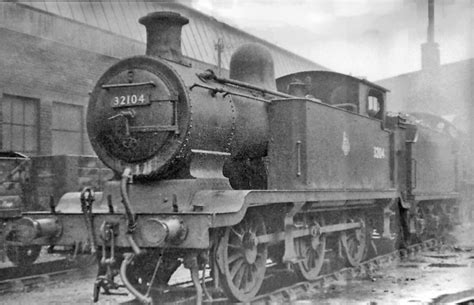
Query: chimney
x=429 y=49
x=164 y=34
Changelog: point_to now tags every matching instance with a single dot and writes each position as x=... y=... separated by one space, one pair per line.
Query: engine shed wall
x=315 y=146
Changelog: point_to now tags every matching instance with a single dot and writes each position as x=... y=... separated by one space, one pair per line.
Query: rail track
x=461 y=298
x=18 y=279
x=282 y=286
x=367 y=268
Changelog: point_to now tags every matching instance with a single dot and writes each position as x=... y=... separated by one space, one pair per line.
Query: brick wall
x=45 y=146
x=49 y=72
x=53 y=176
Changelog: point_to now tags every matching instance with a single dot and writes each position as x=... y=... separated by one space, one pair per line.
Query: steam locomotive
x=34 y=183
x=231 y=173
x=14 y=172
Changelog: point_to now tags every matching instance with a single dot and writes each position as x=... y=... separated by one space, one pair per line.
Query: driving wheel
x=310 y=249
x=354 y=242
x=242 y=259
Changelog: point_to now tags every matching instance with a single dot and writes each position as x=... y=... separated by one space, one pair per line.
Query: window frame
x=35 y=102
x=380 y=98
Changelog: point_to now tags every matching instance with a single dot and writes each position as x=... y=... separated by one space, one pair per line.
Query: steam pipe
x=123 y=275
x=133 y=244
x=209 y=74
x=131 y=223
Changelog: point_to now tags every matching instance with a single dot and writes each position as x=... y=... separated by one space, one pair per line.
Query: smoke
x=376 y=39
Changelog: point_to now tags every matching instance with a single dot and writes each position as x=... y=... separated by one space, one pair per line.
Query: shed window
x=20 y=124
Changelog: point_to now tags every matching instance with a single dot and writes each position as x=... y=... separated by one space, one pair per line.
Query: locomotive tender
x=231 y=172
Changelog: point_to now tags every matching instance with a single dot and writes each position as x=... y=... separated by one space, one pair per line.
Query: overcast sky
x=371 y=38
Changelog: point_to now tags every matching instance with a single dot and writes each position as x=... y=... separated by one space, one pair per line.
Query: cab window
x=375 y=104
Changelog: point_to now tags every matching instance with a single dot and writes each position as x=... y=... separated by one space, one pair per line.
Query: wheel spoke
x=240 y=235
x=249 y=278
x=246 y=278
x=311 y=260
x=254 y=227
x=235 y=257
x=261 y=260
x=235 y=268
x=245 y=225
x=235 y=246
x=238 y=277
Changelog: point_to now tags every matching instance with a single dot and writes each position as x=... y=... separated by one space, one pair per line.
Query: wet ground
x=427 y=278
x=420 y=280
x=423 y=279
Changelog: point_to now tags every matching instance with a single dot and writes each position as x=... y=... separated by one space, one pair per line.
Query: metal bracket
x=414 y=166
x=290 y=253
x=87 y=199
x=106 y=281
x=298 y=158
x=387 y=218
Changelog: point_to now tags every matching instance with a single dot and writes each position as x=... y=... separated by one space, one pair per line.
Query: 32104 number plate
x=128 y=100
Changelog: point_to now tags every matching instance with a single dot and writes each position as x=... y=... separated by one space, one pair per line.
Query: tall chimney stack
x=164 y=34
x=429 y=50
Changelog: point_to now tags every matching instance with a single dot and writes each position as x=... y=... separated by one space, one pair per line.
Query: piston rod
x=276 y=237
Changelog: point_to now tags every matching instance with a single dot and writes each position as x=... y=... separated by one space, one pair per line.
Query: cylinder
x=26 y=229
x=157 y=231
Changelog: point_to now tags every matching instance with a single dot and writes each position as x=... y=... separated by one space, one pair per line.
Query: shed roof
x=199 y=37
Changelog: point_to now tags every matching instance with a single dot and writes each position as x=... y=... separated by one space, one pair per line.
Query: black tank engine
x=230 y=173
